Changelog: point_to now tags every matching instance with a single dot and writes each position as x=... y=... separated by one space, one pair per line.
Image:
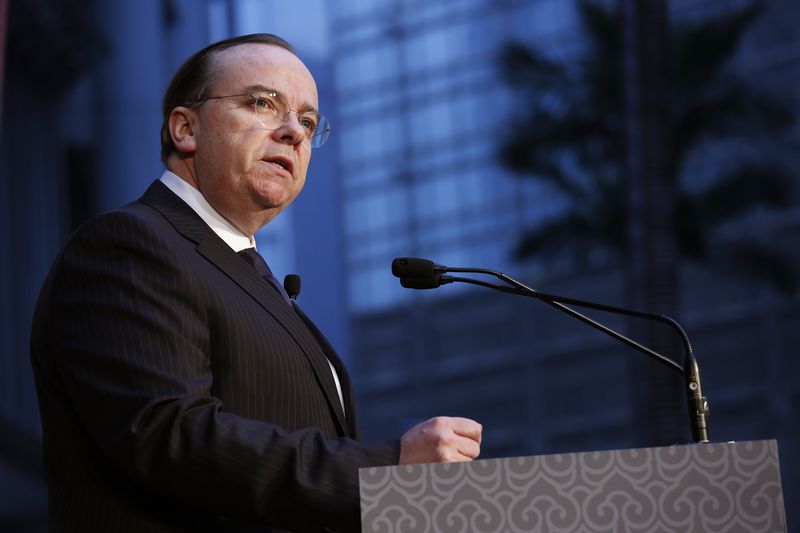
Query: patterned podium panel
x=731 y=487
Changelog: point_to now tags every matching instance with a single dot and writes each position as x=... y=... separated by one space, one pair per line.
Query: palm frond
x=702 y=49
x=531 y=163
x=603 y=27
x=544 y=134
x=741 y=189
x=733 y=110
x=525 y=68
x=565 y=233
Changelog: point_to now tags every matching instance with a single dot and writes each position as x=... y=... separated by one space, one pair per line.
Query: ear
x=181 y=124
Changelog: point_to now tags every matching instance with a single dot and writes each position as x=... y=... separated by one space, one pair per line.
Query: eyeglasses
x=271 y=113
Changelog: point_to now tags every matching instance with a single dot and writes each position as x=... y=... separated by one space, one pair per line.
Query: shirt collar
x=226 y=231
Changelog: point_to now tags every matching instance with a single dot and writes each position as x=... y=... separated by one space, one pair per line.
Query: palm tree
x=574 y=138
x=618 y=139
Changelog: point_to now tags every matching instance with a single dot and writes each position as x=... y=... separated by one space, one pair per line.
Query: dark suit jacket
x=179 y=392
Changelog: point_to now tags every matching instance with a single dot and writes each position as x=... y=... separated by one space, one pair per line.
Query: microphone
x=412 y=267
x=291 y=284
x=425 y=274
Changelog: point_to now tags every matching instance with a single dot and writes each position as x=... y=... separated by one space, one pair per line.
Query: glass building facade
x=422 y=104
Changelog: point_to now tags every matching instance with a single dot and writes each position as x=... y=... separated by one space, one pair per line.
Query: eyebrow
x=304 y=108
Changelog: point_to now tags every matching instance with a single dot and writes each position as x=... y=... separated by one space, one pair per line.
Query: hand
x=441 y=440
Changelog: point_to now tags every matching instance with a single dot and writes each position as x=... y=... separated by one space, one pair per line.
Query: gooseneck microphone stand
x=424 y=274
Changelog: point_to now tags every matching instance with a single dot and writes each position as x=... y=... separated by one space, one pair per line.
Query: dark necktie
x=256 y=261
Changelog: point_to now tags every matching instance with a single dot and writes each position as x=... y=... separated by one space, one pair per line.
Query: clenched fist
x=441 y=440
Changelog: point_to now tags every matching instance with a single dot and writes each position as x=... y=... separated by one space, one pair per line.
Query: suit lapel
x=341 y=371
x=215 y=250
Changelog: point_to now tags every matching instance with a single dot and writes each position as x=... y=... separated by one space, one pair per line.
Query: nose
x=291 y=131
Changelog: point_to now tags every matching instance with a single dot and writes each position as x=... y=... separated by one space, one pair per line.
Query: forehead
x=263 y=64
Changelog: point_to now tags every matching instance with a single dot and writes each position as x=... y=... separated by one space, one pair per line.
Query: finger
x=468 y=448
x=459 y=458
x=465 y=427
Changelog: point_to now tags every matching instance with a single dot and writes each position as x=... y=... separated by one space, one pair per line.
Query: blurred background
x=639 y=153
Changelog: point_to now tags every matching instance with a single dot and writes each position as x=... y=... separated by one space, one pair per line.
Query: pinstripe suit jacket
x=179 y=392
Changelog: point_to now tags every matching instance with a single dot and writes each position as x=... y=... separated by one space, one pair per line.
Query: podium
x=731 y=487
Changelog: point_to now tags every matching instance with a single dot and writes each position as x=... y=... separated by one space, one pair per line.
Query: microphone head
x=291 y=283
x=411 y=267
x=420 y=283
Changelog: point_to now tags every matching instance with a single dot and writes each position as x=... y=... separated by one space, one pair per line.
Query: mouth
x=284 y=162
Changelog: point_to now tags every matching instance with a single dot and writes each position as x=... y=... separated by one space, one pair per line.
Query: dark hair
x=193 y=79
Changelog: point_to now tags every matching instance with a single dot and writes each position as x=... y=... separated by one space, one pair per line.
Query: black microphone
x=291 y=284
x=412 y=267
x=415 y=273
x=425 y=274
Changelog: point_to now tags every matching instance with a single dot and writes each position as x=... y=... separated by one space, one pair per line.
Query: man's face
x=247 y=172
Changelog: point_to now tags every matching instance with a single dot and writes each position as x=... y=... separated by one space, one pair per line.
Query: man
x=179 y=389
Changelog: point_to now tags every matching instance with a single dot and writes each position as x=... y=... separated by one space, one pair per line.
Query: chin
x=275 y=203
x=272 y=196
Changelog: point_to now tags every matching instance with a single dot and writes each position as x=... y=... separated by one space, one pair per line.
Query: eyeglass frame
x=321 y=131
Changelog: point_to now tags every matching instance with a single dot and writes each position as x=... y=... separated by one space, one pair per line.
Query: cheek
x=236 y=156
x=303 y=160
x=233 y=145
x=300 y=183
x=214 y=148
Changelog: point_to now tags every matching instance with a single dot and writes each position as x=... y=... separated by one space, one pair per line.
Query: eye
x=264 y=103
x=309 y=123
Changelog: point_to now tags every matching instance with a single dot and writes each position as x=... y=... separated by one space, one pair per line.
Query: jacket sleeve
x=110 y=329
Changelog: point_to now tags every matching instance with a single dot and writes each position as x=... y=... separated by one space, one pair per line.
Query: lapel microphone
x=291 y=284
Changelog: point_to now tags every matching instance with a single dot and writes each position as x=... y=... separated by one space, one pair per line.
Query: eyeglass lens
x=272 y=114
